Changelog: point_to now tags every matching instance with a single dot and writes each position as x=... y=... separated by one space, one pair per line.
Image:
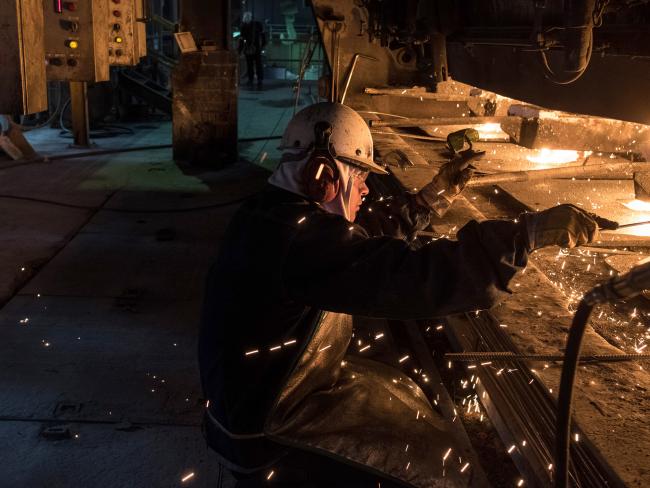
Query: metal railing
x=281 y=32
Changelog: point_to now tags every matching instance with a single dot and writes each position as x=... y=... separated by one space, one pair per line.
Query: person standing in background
x=252 y=43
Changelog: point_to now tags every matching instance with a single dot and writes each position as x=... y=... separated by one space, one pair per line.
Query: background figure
x=251 y=43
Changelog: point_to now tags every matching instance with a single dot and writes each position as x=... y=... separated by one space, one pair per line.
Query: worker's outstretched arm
x=336 y=266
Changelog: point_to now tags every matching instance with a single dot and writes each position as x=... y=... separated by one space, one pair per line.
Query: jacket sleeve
x=397 y=216
x=334 y=265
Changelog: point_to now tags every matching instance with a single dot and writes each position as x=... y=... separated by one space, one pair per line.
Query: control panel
x=22 y=74
x=76 y=44
x=122 y=35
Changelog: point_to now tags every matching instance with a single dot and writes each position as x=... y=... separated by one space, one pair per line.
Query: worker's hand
x=564 y=225
x=448 y=183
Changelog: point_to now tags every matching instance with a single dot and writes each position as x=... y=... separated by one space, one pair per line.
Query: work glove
x=448 y=183
x=564 y=225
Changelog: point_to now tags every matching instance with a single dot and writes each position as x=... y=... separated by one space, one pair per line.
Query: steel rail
x=521 y=408
x=478 y=356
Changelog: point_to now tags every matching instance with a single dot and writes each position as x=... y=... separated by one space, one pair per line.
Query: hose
x=565 y=397
x=619 y=287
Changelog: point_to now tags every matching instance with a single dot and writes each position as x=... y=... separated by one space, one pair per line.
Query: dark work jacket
x=283 y=259
x=253 y=38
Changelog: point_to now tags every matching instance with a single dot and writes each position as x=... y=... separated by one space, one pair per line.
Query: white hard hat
x=351 y=138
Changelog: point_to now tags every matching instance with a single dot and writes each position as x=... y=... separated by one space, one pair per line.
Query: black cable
x=565 y=397
x=50 y=119
x=553 y=77
x=104 y=131
x=255 y=139
x=128 y=210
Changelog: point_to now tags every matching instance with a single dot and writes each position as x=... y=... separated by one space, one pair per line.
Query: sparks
x=270 y=475
x=444 y=458
x=254 y=351
x=462 y=470
x=288 y=343
x=187 y=477
x=404 y=359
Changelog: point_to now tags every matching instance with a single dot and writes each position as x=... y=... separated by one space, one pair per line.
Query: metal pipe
x=349 y=77
x=472 y=357
x=419 y=122
x=80 y=122
x=587 y=171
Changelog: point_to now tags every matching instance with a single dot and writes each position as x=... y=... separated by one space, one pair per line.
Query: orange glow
x=491 y=131
x=638 y=206
x=556 y=156
x=644 y=210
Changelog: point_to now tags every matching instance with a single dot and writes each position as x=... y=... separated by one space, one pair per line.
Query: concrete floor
x=102 y=261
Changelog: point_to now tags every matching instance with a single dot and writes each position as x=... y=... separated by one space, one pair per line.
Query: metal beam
x=79 y=107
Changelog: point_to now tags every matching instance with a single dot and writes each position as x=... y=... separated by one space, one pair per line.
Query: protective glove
x=457 y=140
x=565 y=225
x=448 y=183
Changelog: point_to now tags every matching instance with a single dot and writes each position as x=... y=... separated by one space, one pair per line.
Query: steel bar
x=351 y=73
x=521 y=408
x=633 y=224
x=418 y=122
x=511 y=356
x=583 y=171
x=409 y=136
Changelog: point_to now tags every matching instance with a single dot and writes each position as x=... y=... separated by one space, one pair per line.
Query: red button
x=117 y=13
x=71 y=6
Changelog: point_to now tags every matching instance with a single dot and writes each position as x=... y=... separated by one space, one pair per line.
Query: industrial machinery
x=586 y=56
x=76 y=46
x=23 y=72
x=127 y=37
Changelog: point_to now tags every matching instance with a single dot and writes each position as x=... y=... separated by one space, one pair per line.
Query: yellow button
x=73 y=44
x=118 y=40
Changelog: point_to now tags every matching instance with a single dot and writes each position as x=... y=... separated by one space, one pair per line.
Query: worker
x=252 y=42
x=293 y=267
